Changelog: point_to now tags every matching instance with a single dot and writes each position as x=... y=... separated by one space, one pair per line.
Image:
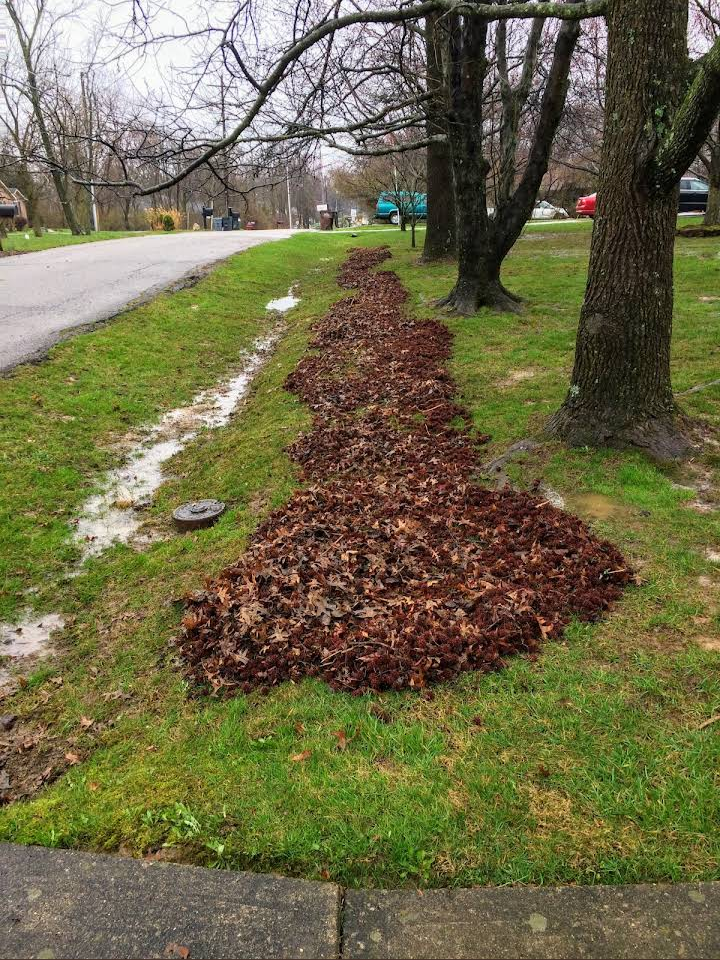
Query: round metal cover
x=200 y=513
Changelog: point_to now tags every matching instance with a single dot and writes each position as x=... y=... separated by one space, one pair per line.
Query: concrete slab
x=58 y=903
x=644 y=922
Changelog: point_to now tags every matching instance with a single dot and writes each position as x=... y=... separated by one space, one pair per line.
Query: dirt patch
x=393 y=568
x=514 y=377
x=699 y=479
x=698 y=231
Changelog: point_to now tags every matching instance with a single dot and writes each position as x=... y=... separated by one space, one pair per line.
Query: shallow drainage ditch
x=115 y=514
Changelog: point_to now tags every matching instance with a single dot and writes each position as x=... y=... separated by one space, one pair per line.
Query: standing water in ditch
x=283 y=304
x=28 y=637
x=115 y=514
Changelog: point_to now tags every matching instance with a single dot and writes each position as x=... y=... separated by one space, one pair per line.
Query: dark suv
x=693 y=195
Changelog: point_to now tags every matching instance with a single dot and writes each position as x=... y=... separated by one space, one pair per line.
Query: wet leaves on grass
x=393 y=568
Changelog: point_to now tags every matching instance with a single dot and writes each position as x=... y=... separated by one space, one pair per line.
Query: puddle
x=554 y=498
x=283 y=304
x=115 y=515
x=29 y=637
x=598 y=507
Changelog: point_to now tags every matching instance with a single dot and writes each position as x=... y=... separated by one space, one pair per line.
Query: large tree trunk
x=27 y=187
x=440 y=233
x=514 y=208
x=25 y=42
x=620 y=393
x=478 y=281
x=483 y=243
x=712 y=213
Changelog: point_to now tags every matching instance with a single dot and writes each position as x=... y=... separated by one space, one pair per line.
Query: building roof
x=13 y=192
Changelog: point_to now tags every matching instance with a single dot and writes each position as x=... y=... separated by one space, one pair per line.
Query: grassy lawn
x=61 y=238
x=587 y=765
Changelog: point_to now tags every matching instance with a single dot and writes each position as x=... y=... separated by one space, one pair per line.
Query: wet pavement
x=46 y=295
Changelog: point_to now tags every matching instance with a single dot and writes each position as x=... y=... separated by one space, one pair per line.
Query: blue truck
x=389 y=206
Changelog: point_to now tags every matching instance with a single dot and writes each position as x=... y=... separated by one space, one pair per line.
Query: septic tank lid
x=198 y=514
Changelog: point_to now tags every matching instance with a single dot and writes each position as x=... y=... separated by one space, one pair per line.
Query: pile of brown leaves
x=394 y=568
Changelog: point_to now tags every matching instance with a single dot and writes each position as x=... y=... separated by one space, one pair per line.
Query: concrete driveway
x=44 y=295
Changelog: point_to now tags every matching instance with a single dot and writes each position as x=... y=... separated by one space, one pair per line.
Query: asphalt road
x=45 y=295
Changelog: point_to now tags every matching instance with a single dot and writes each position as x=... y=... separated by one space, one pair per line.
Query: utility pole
x=223 y=120
x=287 y=179
x=87 y=104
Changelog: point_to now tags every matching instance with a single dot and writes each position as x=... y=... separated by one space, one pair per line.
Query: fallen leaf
x=391 y=568
x=176 y=950
x=301 y=757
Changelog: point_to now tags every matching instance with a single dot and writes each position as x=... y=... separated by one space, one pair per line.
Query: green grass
x=61 y=238
x=587 y=765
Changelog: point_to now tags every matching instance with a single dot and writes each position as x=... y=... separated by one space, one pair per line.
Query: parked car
x=387 y=206
x=585 y=207
x=693 y=195
x=546 y=211
x=693 y=198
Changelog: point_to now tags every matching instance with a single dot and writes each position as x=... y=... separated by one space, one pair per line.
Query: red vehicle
x=585 y=207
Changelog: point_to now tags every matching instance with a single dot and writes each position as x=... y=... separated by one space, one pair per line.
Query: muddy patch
x=597 y=506
x=23 y=642
x=697 y=479
x=116 y=514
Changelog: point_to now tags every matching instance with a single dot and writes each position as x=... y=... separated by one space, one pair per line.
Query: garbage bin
x=326 y=220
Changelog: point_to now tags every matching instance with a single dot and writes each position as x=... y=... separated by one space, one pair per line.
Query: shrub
x=157 y=218
x=168 y=223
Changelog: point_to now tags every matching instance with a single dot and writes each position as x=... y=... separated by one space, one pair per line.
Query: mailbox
x=8 y=210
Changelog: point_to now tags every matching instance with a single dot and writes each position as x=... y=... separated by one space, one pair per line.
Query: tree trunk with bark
x=712 y=213
x=25 y=42
x=27 y=187
x=440 y=232
x=478 y=281
x=514 y=207
x=484 y=242
x=620 y=392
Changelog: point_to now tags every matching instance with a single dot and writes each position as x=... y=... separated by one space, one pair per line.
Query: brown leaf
x=392 y=569
x=176 y=950
x=72 y=758
x=301 y=757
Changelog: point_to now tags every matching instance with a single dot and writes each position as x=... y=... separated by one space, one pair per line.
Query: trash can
x=326 y=220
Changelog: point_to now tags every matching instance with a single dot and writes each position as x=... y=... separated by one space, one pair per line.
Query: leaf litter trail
x=393 y=568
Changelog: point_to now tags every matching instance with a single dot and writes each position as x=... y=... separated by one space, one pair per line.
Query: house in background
x=13 y=195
